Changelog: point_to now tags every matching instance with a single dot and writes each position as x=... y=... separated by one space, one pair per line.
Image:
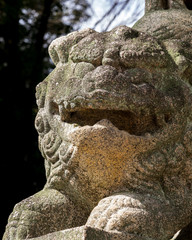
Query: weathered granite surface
x=87 y=233
x=83 y=233
x=115 y=130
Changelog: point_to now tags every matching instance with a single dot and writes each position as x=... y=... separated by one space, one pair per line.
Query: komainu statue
x=115 y=129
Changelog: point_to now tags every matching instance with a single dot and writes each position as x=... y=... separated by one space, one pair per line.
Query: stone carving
x=115 y=130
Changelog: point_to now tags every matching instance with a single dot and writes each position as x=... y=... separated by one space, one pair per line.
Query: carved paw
x=137 y=216
x=45 y=212
x=118 y=213
x=23 y=224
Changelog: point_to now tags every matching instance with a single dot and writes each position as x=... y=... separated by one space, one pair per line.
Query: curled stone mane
x=115 y=130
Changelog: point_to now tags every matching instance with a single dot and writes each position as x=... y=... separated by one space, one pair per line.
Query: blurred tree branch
x=26 y=29
x=117 y=13
x=116 y=7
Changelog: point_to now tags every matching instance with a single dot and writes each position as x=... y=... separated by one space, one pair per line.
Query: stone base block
x=83 y=233
x=88 y=233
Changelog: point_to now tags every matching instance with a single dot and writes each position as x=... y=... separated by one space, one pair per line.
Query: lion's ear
x=59 y=48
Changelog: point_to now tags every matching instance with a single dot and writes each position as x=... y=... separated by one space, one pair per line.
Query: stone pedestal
x=84 y=233
x=87 y=233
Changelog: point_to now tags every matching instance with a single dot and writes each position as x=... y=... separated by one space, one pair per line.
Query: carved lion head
x=109 y=112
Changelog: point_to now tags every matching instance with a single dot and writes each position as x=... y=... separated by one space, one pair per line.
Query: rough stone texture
x=173 y=28
x=88 y=233
x=83 y=233
x=115 y=130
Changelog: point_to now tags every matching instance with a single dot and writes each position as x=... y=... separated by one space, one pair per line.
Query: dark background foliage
x=26 y=29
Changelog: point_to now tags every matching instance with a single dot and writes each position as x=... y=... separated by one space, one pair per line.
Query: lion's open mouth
x=123 y=120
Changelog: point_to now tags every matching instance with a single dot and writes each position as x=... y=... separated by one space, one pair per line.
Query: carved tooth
x=72 y=105
x=67 y=105
x=61 y=108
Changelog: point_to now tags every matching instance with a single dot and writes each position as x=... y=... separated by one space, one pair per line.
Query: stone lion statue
x=114 y=125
